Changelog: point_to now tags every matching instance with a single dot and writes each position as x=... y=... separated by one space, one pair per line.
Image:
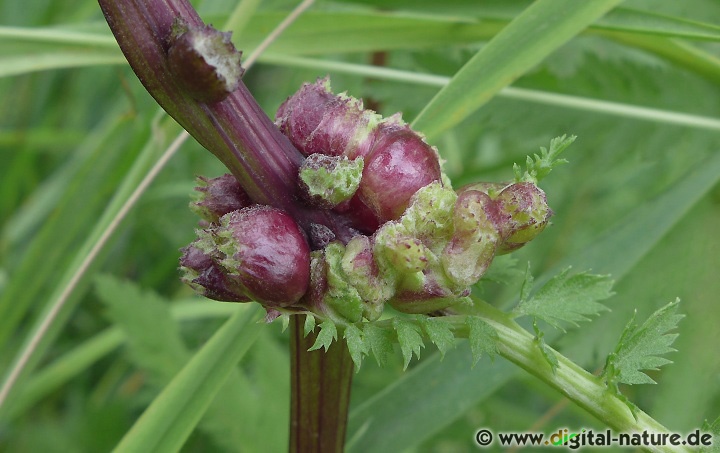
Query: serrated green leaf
x=380 y=342
x=545 y=350
x=309 y=325
x=439 y=332
x=567 y=298
x=153 y=335
x=356 y=344
x=641 y=347
x=482 y=338
x=328 y=334
x=410 y=340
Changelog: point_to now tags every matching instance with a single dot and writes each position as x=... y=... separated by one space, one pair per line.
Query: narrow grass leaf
x=525 y=42
x=92 y=350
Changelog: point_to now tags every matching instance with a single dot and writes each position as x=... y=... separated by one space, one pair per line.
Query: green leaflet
x=538 y=166
x=356 y=345
x=408 y=335
x=439 y=332
x=641 y=347
x=565 y=298
x=482 y=338
x=328 y=334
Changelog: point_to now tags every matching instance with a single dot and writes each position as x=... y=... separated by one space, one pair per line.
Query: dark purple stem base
x=320 y=392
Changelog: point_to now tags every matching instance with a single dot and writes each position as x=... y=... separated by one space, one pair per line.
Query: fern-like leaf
x=641 y=347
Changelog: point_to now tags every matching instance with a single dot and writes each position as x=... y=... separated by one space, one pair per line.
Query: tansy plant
x=343 y=224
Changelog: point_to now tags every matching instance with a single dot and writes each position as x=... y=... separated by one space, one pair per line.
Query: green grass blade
x=620 y=19
x=526 y=41
x=75 y=273
x=92 y=178
x=390 y=416
x=173 y=415
x=324 y=32
x=13 y=66
x=649 y=23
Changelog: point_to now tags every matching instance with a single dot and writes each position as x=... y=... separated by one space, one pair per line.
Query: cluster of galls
x=419 y=244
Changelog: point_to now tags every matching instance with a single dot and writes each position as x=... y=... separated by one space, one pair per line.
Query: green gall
x=475 y=240
x=525 y=206
x=430 y=215
x=399 y=249
x=364 y=275
x=327 y=181
x=341 y=297
x=426 y=292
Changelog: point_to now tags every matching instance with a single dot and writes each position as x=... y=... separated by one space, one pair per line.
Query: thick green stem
x=581 y=387
x=320 y=392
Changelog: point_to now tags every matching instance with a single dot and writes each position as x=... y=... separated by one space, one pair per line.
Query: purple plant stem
x=235 y=130
x=238 y=132
x=320 y=389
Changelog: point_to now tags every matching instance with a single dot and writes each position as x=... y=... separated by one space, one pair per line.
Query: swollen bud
x=426 y=292
x=261 y=253
x=318 y=121
x=475 y=239
x=204 y=62
x=399 y=164
x=206 y=277
x=525 y=206
x=219 y=196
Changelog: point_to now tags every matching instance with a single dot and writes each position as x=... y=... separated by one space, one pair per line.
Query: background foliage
x=639 y=200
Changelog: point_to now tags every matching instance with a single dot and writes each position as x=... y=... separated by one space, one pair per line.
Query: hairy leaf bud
x=219 y=196
x=526 y=206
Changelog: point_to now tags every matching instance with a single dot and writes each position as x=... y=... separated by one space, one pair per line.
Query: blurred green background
x=639 y=200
